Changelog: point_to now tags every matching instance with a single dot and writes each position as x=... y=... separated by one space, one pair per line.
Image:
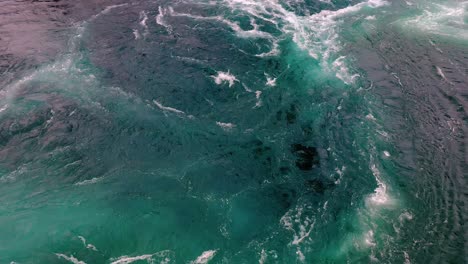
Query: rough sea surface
x=233 y=131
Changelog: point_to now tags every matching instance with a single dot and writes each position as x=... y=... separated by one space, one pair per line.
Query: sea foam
x=223 y=77
x=70 y=258
x=205 y=257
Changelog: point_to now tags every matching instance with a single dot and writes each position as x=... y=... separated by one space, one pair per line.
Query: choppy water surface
x=233 y=131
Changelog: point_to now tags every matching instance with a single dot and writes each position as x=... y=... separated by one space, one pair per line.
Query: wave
x=223 y=77
x=446 y=20
x=88 y=246
x=318 y=34
x=160 y=18
x=226 y=126
x=168 y=109
x=205 y=257
x=90 y=181
x=70 y=258
x=164 y=256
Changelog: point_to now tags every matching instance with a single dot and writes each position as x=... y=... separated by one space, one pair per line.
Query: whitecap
x=369 y=238
x=226 y=126
x=106 y=10
x=342 y=72
x=88 y=246
x=263 y=257
x=370 y=117
x=405 y=216
x=136 y=34
x=317 y=33
x=127 y=259
x=407 y=258
x=380 y=195
x=205 y=257
x=247 y=89
x=275 y=51
x=441 y=74
x=143 y=20
x=259 y=100
x=160 y=18
x=301 y=225
x=270 y=81
x=447 y=20
x=222 y=77
x=3 y=108
x=70 y=258
x=163 y=257
x=252 y=33
x=91 y=181
x=166 y=108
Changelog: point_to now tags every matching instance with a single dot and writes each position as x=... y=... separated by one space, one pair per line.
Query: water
x=234 y=131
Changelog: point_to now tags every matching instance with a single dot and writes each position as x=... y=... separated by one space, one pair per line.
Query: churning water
x=233 y=131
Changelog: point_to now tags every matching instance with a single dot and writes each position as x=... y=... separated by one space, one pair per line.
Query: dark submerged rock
x=307 y=157
x=318 y=186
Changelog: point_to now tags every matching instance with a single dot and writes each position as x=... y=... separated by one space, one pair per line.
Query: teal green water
x=240 y=131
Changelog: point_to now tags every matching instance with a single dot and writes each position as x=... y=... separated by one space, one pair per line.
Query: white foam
x=301 y=225
x=435 y=46
x=205 y=257
x=380 y=195
x=369 y=238
x=259 y=100
x=51 y=119
x=405 y=216
x=247 y=89
x=441 y=74
x=263 y=257
x=222 y=77
x=275 y=51
x=127 y=259
x=255 y=32
x=189 y=60
x=109 y=8
x=88 y=246
x=317 y=33
x=91 y=181
x=325 y=205
x=340 y=173
x=252 y=33
x=3 y=108
x=303 y=234
x=270 y=81
x=136 y=34
x=371 y=117
x=226 y=126
x=160 y=18
x=446 y=19
x=342 y=71
x=300 y=255
x=166 y=108
x=407 y=258
x=106 y=11
x=163 y=257
x=13 y=176
x=70 y=258
x=143 y=20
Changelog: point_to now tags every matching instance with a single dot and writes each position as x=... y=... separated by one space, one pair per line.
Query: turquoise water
x=234 y=131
